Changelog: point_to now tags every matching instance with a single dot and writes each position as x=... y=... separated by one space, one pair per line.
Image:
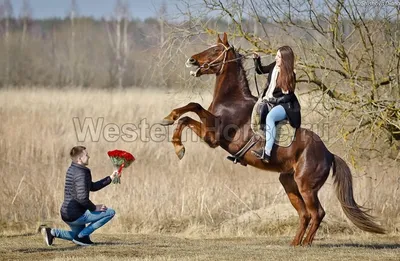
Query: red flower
x=120 y=159
x=121 y=154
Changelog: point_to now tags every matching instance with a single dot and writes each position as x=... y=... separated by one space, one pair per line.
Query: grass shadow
x=117 y=243
x=74 y=247
x=18 y=235
x=45 y=249
x=370 y=246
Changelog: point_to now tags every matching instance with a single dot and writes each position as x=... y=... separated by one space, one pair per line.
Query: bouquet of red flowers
x=120 y=159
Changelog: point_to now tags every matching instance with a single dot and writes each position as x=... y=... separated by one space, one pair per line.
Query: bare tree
x=6 y=13
x=26 y=18
x=162 y=12
x=348 y=53
x=118 y=38
x=73 y=13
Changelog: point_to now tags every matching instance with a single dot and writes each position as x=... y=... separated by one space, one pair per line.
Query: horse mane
x=242 y=74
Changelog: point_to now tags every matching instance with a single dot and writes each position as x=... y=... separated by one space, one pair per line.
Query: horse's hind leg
x=316 y=211
x=198 y=128
x=290 y=186
x=309 y=183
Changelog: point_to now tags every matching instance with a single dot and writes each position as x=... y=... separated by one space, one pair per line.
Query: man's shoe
x=82 y=241
x=48 y=237
x=90 y=241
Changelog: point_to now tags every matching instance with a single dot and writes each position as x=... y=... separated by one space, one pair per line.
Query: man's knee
x=110 y=212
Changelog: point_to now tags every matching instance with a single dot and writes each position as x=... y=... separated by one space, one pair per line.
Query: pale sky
x=96 y=8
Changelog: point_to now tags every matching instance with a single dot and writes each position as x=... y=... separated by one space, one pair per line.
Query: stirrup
x=233 y=159
x=236 y=160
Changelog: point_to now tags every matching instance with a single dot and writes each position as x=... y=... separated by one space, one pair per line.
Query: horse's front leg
x=206 y=117
x=201 y=130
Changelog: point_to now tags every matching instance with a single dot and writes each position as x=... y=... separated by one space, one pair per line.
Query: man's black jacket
x=78 y=184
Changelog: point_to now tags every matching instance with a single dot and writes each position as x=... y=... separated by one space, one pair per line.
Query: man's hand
x=114 y=175
x=101 y=208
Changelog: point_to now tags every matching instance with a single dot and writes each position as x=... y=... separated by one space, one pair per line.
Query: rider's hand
x=273 y=100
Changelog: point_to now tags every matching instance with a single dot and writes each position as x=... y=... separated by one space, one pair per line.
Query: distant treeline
x=79 y=52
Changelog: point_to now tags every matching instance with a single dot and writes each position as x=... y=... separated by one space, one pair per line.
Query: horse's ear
x=225 y=41
x=218 y=39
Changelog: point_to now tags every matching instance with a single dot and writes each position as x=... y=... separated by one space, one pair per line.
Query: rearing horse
x=304 y=166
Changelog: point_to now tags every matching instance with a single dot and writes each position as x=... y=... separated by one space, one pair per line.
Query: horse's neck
x=232 y=84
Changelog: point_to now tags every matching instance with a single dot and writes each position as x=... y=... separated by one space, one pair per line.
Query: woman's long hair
x=286 y=80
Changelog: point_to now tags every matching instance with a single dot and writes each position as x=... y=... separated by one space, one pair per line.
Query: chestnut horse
x=304 y=166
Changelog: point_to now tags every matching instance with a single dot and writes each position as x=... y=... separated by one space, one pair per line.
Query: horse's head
x=212 y=60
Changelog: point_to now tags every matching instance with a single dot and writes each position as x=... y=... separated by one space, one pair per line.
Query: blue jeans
x=276 y=114
x=95 y=219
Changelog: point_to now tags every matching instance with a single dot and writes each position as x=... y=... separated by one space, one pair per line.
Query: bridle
x=207 y=66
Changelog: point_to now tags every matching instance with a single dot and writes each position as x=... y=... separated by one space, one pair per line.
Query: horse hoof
x=166 y=122
x=180 y=151
x=306 y=244
x=294 y=244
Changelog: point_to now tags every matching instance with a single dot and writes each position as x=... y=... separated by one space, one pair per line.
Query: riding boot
x=261 y=155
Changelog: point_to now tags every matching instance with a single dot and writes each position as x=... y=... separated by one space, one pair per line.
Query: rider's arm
x=260 y=69
x=285 y=98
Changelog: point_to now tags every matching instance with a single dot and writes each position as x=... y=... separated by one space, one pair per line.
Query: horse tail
x=344 y=192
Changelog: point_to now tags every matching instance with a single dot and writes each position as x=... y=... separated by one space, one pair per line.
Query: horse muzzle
x=191 y=62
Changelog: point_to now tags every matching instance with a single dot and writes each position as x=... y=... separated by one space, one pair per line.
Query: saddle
x=285 y=133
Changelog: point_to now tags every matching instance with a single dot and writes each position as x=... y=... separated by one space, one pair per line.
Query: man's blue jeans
x=277 y=113
x=95 y=219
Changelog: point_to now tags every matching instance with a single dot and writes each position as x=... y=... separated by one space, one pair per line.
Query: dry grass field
x=163 y=201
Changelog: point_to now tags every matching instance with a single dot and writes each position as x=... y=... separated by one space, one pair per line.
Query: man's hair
x=76 y=152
